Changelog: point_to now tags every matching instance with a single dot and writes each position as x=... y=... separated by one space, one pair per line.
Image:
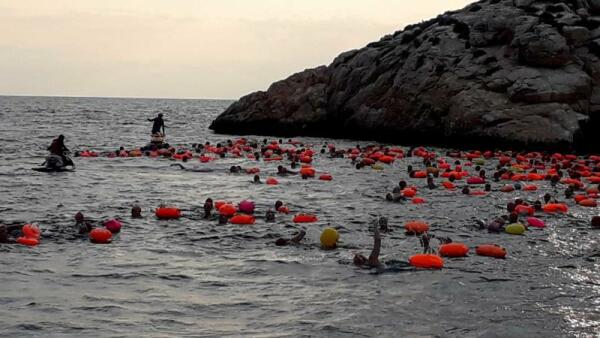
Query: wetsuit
x=58 y=148
x=159 y=124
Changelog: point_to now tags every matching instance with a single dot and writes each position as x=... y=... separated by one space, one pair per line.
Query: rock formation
x=498 y=73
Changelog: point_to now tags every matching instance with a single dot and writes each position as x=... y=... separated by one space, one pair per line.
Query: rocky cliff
x=498 y=72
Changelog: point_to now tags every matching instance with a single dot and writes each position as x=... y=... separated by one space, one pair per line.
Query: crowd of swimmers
x=561 y=169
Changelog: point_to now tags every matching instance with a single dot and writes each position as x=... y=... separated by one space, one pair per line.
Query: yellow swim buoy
x=515 y=229
x=329 y=238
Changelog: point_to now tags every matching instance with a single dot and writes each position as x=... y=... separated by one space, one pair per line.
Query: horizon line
x=115 y=97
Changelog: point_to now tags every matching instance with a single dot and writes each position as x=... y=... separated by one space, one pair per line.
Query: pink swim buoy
x=113 y=226
x=535 y=222
x=246 y=207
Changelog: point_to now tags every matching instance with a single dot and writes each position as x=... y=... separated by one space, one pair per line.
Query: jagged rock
x=503 y=72
x=576 y=35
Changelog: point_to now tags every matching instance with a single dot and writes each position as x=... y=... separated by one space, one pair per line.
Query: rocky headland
x=510 y=73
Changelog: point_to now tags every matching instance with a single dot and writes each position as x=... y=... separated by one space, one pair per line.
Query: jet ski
x=55 y=163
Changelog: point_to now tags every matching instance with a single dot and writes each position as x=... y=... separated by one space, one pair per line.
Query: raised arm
x=299 y=236
x=374 y=256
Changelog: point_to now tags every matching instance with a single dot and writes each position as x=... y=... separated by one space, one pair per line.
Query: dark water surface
x=191 y=277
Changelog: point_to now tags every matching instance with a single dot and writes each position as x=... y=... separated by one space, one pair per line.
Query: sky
x=185 y=48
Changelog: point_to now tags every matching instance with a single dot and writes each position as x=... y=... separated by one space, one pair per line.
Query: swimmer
x=136 y=212
x=235 y=169
x=569 y=192
x=430 y=183
x=596 y=222
x=4 y=234
x=294 y=240
x=256 y=179
x=196 y=170
x=82 y=225
x=488 y=187
x=373 y=260
x=270 y=216
x=223 y=219
x=393 y=197
x=208 y=207
x=282 y=171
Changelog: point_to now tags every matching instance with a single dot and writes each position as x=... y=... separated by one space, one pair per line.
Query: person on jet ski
x=58 y=148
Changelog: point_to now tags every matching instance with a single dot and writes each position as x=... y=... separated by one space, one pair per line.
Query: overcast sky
x=184 y=48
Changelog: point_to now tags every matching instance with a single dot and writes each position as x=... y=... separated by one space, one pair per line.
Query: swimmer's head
x=510 y=206
x=270 y=216
x=596 y=222
x=223 y=219
x=281 y=242
x=136 y=211
x=3 y=233
x=359 y=260
x=278 y=204
x=79 y=217
x=256 y=179
x=513 y=217
x=466 y=190
x=402 y=184
x=389 y=197
x=488 y=187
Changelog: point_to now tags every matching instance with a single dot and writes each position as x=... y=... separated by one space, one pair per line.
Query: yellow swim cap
x=329 y=238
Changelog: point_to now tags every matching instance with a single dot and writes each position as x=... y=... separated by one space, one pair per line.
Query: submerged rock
x=498 y=72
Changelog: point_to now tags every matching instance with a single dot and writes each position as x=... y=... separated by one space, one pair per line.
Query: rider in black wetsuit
x=58 y=148
x=158 y=124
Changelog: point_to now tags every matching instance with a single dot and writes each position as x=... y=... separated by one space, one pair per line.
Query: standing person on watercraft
x=158 y=125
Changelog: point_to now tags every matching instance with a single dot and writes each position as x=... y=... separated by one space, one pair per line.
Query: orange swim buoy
x=305 y=218
x=168 y=213
x=326 y=177
x=386 y=159
x=29 y=241
x=418 y=200
x=408 y=192
x=448 y=185
x=227 y=210
x=588 y=202
x=426 y=261
x=555 y=207
x=416 y=227
x=454 y=250
x=491 y=250
x=524 y=210
x=307 y=171
x=242 y=219
x=31 y=231
x=272 y=181
x=420 y=174
x=283 y=210
x=530 y=187
x=100 y=236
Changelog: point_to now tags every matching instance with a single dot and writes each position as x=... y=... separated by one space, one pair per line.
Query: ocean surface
x=192 y=277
